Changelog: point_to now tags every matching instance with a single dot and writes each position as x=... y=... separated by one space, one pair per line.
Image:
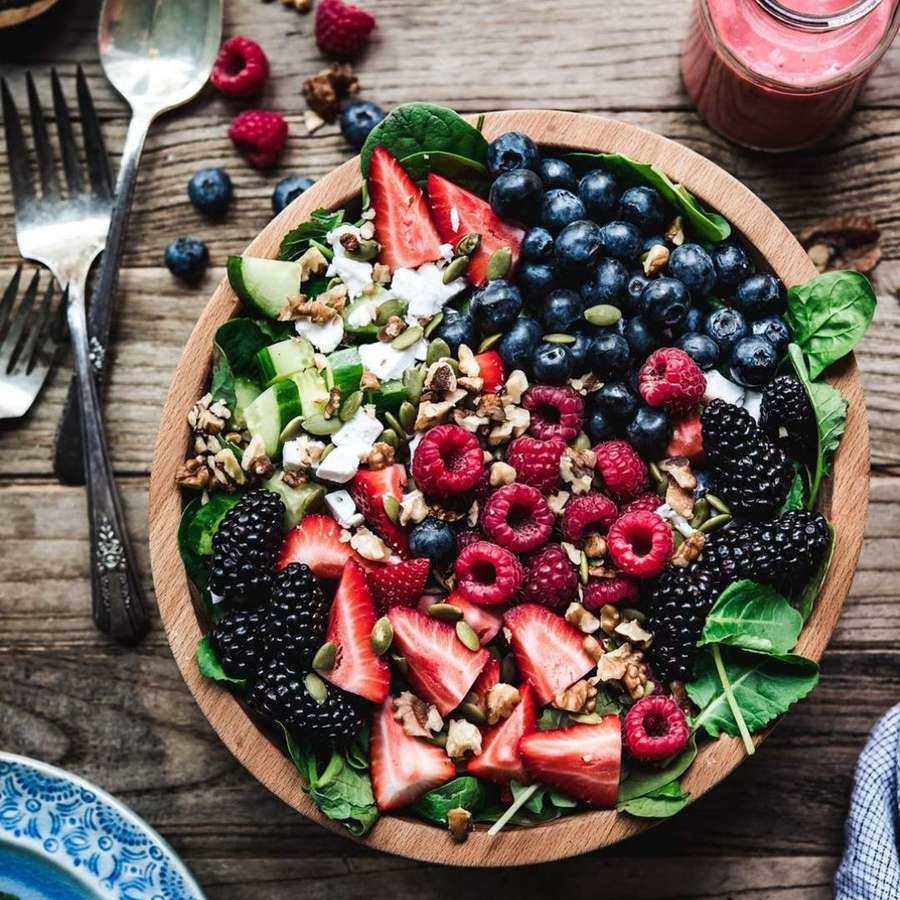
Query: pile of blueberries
x=584 y=247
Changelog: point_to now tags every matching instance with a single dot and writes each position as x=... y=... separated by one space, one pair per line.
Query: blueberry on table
x=518 y=344
x=288 y=189
x=599 y=192
x=620 y=240
x=665 y=303
x=753 y=361
x=551 y=363
x=701 y=348
x=775 y=330
x=600 y=427
x=358 y=119
x=495 y=306
x=609 y=284
x=433 y=539
x=512 y=150
x=562 y=311
x=187 y=259
x=580 y=351
x=559 y=208
x=516 y=195
x=694 y=268
x=617 y=401
x=732 y=264
x=725 y=326
x=557 y=173
x=759 y=294
x=649 y=432
x=535 y=279
x=538 y=245
x=644 y=207
x=577 y=247
x=456 y=328
x=610 y=355
x=210 y=191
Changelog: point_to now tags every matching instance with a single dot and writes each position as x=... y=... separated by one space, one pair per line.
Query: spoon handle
x=68 y=459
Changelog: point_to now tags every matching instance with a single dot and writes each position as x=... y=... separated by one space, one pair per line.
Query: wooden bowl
x=847 y=498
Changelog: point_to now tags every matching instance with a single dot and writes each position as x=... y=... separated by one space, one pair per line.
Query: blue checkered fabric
x=870 y=869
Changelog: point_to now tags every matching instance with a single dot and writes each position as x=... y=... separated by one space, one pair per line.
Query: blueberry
x=495 y=306
x=187 y=259
x=559 y=208
x=512 y=150
x=753 y=361
x=693 y=321
x=433 y=539
x=621 y=240
x=665 y=303
x=577 y=246
x=536 y=280
x=609 y=284
x=732 y=264
x=456 y=328
x=640 y=338
x=557 y=173
x=617 y=400
x=655 y=240
x=600 y=427
x=649 y=432
x=759 y=294
x=775 y=330
x=725 y=326
x=610 y=355
x=701 y=348
x=210 y=191
x=518 y=344
x=537 y=245
x=288 y=189
x=694 y=268
x=637 y=281
x=562 y=311
x=358 y=119
x=644 y=207
x=516 y=195
x=599 y=193
x=580 y=351
x=551 y=363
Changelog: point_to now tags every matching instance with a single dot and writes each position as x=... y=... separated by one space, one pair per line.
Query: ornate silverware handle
x=69 y=454
x=117 y=603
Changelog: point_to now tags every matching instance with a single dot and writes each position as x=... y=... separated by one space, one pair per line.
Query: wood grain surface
x=125 y=719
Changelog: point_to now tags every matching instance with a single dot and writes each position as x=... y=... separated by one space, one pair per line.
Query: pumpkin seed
x=658 y=476
x=368 y=249
x=318 y=425
x=678 y=538
x=468 y=244
x=316 y=688
x=407 y=415
x=714 y=523
x=466 y=634
x=509 y=674
x=583 y=569
x=389 y=436
x=325 y=657
x=326 y=451
x=401 y=664
x=392 y=307
x=433 y=323
x=437 y=349
x=701 y=513
x=717 y=504
x=559 y=339
x=291 y=430
x=391 y=508
x=582 y=442
x=603 y=315
x=394 y=422
x=455 y=269
x=473 y=713
x=350 y=406
x=499 y=264
x=407 y=338
x=489 y=342
x=414 y=381
x=636 y=614
x=439 y=739
x=382 y=636
x=445 y=612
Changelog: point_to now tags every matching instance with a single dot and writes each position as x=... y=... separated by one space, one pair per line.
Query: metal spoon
x=158 y=55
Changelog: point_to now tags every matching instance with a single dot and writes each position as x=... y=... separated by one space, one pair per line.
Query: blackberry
x=296 y=616
x=747 y=470
x=245 y=548
x=282 y=694
x=677 y=608
x=238 y=642
x=788 y=419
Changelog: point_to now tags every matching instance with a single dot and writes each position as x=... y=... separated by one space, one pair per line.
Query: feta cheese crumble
x=339 y=466
x=343 y=510
x=386 y=363
x=718 y=387
x=356 y=274
x=360 y=433
x=324 y=336
x=678 y=521
x=753 y=403
x=424 y=291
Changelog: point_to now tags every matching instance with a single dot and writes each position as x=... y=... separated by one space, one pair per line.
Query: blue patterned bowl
x=61 y=838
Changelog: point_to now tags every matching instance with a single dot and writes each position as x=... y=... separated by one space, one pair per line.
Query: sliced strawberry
x=316 y=541
x=484 y=621
x=499 y=760
x=549 y=651
x=400 y=584
x=357 y=669
x=487 y=678
x=490 y=367
x=582 y=761
x=369 y=488
x=687 y=439
x=441 y=668
x=403 y=225
x=458 y=212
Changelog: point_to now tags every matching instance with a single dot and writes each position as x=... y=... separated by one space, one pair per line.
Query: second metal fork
x=65 y=229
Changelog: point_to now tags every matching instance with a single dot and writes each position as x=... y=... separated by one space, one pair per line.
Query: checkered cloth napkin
x=870 y=869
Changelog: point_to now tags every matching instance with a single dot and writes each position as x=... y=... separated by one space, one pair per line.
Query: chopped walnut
x=440 y=379
x=194 y=474
x=587 y=384
x=468 y=421
x=293 y=478
x=577 y=698
x=655 y=259
x=206 y=417
x=473 y=384
x=333 y=404
x=394 y=327
x=312 y=262
x=635 y=680
x=675 y=232
x=602 y=570
x=502 y=473
x=612 y=666
x=468 y=365
x=380 y=456
x=472 y=514
x=575 y=555
x=595 y=546
x=577 y=469
x=689 y=550
x=633 y=632
x=459 y=823
x=300 y=307
x=255 y=460
x=369 y=382
x=491 y=407
x=462 y=737
x=308 y=453
x=516 y=424
x=557 y=502
x=433 y=413
x=325 y=90
x=516 y=385
x=226 y=469
x=369 y=546
x=381 y=274
x=592 y=647
x=584 y=620
x=502 y=699
x=419 y=719
x=682 y=484
x=413 y=508
x=610 y=618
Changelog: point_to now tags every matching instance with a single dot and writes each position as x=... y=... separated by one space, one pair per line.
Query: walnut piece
x=577 y=469
x=380 y=456
x=595 y=546
x=440 y=379
x=300 y=307
x=434 y=412
x=413 y=508
x=577 y=698
x=468 y=365
x=472 y=384
x=369 y=546
x=633 y=632
x=609 y=618
x=255 y=460
x=206 y=417
x=655 y=259
x=689 y=550
x=491 y=407
x=557 y=502
x=419 y=719
x=381 y=274
x=194 y=474
x=584 y=620
x=293 y=478
x=459 y=823
x=675 y=232
x=325 y=90
x=369 y=382
x=394 y=327
x=682 y=484
x=462 y=737
x=502 y=473
x=516 y=385
x=467 y=420
x=502 y=699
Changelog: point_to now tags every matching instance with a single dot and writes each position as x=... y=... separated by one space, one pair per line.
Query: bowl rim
x=847 y=492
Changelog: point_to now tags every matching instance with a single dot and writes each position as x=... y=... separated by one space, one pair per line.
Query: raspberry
x=655 y=728
x=487 y=574
x=647 y=502
x=260 y=135
x=536 y=462
x=640 y=544
x=448 y=460
x=623 y=472
x=556 y=412
x=517 y=517
x=241 y=68
x=580 y=513
x=670 y=378
x=550 y=578
x=467 y=538
x=341 y=28
x=609 y=590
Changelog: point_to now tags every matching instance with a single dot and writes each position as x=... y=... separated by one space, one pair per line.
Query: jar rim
x=848 y=15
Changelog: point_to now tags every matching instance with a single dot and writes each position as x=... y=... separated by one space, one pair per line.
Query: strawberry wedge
x=316 y=541
x=483 y=622
x=499 y=760
x=549 y=651
x=403 y=224
x=369 y=488
x=583 y=761
x=458 y=212
x=490 y=368
x=441 y=667
x=357 y=669
x=403 y=768
x=488 y=677
x=398 y=584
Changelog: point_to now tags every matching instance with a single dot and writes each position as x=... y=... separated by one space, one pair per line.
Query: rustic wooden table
x=125 y=719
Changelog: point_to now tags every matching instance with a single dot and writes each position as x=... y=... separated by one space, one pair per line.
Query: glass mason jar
x=780 y=76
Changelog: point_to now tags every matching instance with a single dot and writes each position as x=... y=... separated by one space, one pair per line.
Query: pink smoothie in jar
x=778 y=76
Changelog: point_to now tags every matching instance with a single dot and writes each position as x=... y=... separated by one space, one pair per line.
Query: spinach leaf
x=222 y=383
x=762 y=685
x=706 y=224
x=297 y=241
x=417 y=127
x=753 y=616
x=796 y=497
x=661 y=803
x=641 y=781
x=464 y=792
x=829 y=315
x=551 y=718
x=467 y=173
x=808 y=597
x=239 y=340
x=209 y=664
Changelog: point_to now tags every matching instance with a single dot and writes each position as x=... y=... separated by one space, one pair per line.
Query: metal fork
x=65 y=229
x=29 y=340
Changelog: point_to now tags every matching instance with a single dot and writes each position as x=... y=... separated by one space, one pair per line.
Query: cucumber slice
x=387 y=396
x=264 y=284
x=298 y=501
x=283 y=359
x=370 y=330
x=346 y=369
x=313 y=391
x=267 y=415
x=246 y=390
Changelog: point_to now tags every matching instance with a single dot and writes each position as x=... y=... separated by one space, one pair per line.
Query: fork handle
x=68 y=462
x=118 y=607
